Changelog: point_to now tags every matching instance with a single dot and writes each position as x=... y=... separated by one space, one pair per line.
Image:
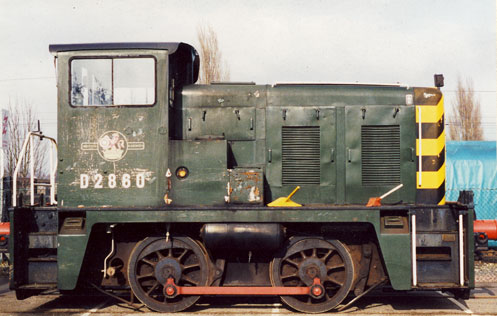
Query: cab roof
x=170 y=46
x=184 y=57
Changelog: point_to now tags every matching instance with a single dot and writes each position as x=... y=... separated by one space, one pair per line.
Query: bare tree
x=465 y=123
x=212 y=67
x=22 y=119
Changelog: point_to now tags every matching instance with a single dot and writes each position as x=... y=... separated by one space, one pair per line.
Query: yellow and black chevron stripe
x=430 y=146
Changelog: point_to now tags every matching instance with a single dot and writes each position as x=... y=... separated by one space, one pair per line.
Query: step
x=42 y=240
x=42 y=259
x=38 y=286
x=42 y=270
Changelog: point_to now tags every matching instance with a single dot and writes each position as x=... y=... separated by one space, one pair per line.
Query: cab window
x=112 y=81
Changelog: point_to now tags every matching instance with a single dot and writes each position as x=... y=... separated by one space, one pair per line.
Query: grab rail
x=53 y=168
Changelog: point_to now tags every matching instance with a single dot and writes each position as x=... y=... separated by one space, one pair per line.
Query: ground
x=483 y=301
x=486 y=273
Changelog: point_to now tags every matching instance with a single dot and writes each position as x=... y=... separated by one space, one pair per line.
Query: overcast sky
x=266 y=41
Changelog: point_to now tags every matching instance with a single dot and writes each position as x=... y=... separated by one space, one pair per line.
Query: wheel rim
x=330 y=261
x=153 y=261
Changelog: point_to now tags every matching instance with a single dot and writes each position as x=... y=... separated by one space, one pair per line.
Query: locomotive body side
x=326 y=157
x=161 y=180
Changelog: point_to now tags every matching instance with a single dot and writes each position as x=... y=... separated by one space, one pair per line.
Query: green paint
x=69 y=259
x=394 y=248
x=396 y=251
x=212 y=128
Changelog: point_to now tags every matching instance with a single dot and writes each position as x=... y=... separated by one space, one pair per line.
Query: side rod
x=172 y=290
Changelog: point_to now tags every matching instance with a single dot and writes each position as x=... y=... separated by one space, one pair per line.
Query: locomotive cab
x=113 y=118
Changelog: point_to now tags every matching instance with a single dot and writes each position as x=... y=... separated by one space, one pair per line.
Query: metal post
x=461 y=251
x=52 y=178
x=413 y=251
x=420 y=155
x=53 y=170
x=16 y=171
x=31 y=171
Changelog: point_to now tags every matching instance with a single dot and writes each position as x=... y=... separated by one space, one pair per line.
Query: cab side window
x=112 y=81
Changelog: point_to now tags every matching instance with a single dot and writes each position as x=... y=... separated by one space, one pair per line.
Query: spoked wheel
x=153 y=261
x=313 y=258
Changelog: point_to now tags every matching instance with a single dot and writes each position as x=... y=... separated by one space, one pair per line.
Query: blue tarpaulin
x=472 y=165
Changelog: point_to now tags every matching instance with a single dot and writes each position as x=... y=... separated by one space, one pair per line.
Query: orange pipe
x=4 y=228
x=488 y=226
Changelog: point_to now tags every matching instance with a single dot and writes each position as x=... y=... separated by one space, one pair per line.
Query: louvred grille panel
x=380 y=155
x=301 y=161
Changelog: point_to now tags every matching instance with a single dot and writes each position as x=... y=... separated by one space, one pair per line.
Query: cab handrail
x=53 y=167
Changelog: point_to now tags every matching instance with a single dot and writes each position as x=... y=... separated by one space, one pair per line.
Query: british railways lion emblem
x=113 y=146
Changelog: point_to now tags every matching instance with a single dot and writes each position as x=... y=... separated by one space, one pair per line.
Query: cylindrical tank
x=488 y=226
x=241 y=236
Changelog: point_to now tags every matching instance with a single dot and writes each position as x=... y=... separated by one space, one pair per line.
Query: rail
x=53 y=167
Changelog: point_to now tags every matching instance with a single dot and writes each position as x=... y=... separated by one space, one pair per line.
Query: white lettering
x=112 y=181
x=98 y=181
x=84 y=181
x=126 y=181
x=140 y=180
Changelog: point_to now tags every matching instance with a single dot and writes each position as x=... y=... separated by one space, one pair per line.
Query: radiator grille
x=380 y=155
x=300 y=155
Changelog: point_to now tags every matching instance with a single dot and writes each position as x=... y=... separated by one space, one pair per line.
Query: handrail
x=414 y=251
x=53 y=167
x=420 y=155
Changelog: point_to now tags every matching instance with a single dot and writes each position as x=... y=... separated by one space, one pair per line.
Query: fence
x=485 y=208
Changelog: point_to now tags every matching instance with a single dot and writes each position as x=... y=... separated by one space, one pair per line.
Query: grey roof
x=171 y=47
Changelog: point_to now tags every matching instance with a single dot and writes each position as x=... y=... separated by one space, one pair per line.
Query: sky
x=380 y=41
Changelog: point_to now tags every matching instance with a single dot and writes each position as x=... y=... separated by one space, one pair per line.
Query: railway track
x=483 y=301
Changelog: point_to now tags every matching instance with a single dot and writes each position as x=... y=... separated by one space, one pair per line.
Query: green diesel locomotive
x=164 y=187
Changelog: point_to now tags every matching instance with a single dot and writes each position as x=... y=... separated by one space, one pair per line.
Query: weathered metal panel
x=42 y=272
x=33 y=244
x=88 y=175
x=42 y=240
x=246 y=186
x=219 y=110
x=233 y=123
x=207 y=179
x=438 y=258
x=435 y=219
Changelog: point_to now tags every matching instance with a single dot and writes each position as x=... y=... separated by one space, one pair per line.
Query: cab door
x=112 y=132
